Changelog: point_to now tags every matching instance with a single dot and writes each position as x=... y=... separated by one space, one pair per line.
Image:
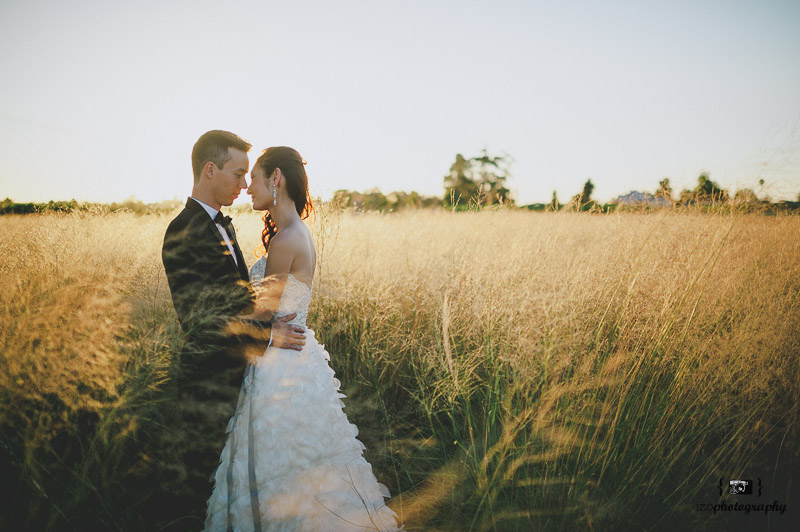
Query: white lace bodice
x=296 y=294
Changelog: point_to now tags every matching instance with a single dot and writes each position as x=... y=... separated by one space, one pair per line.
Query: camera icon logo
x=740 y=487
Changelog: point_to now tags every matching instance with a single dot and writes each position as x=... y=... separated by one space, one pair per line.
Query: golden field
x=507 y=370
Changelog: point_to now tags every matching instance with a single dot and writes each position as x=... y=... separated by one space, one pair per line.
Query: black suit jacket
x=208 y=288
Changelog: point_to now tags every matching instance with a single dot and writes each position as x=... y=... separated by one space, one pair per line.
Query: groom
x=209 y=282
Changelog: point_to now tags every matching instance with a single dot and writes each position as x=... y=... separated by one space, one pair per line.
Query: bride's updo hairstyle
x=293 y=169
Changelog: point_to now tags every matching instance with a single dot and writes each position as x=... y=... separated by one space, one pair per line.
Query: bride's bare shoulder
x=291 y=238
x=296 y=236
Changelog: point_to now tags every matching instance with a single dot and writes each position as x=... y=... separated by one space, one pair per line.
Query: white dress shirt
x=213 y=213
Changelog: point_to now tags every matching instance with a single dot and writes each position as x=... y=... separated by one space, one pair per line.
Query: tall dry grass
x=507 y=370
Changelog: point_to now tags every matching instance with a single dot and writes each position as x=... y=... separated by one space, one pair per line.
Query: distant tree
x=493 y=172
x=9 y=207
x=373 y=200
x=586 y=194
x=706 y=191
x=459 y=182
x=583 y=201
x=342 y=198
x=745 y=195
x=129 y=204
x=480 y=179
x=401 y=200
x=554 y=202
x=664 y=189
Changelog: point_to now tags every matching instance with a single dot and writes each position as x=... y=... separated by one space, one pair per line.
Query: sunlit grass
x=507 y=370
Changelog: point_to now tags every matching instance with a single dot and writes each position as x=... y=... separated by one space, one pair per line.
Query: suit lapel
x=243 y=273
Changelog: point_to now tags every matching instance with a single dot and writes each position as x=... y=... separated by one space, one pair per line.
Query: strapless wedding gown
x=292 y=461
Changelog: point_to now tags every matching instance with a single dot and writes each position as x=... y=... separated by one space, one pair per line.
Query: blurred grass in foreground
x=507 y=370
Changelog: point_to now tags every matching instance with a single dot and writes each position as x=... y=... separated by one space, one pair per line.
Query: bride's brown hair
x=293 y=169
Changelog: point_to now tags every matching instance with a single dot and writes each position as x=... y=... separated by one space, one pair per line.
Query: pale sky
x=101 y=100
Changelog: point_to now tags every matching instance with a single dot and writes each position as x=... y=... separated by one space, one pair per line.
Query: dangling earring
x=274 y=194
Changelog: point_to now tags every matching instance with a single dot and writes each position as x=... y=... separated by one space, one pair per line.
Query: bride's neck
x=284 y=216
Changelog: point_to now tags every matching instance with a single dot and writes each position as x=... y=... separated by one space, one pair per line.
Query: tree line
x=481 y=180
x=472 y=183
x=8 y=206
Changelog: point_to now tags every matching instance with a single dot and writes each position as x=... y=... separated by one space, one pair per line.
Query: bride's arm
x=279 y=263
x=268 y=297
x=282 y=253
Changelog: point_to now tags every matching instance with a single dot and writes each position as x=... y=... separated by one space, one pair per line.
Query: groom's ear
x=208 y=168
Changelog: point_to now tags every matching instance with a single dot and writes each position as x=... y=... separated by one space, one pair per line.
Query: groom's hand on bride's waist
x=277 y=333
x=287 y=335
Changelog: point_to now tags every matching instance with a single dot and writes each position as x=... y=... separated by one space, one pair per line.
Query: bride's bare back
x=292 y=250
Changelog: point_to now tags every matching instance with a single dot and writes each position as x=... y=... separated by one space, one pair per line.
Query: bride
x=291 y=461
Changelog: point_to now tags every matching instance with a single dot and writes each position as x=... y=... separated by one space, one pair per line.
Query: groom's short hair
x=213 y=146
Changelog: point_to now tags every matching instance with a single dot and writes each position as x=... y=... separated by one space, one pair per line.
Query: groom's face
x=229 y=180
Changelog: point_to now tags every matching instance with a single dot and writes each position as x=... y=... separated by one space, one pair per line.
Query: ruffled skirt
x=292 y=461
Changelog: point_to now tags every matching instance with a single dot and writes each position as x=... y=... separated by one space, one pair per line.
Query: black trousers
x=206 y=401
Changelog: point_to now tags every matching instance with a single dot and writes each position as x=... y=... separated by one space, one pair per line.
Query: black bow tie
x=224 y=221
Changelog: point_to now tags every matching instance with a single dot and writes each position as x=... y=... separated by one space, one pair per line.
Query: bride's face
x=259 y=189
